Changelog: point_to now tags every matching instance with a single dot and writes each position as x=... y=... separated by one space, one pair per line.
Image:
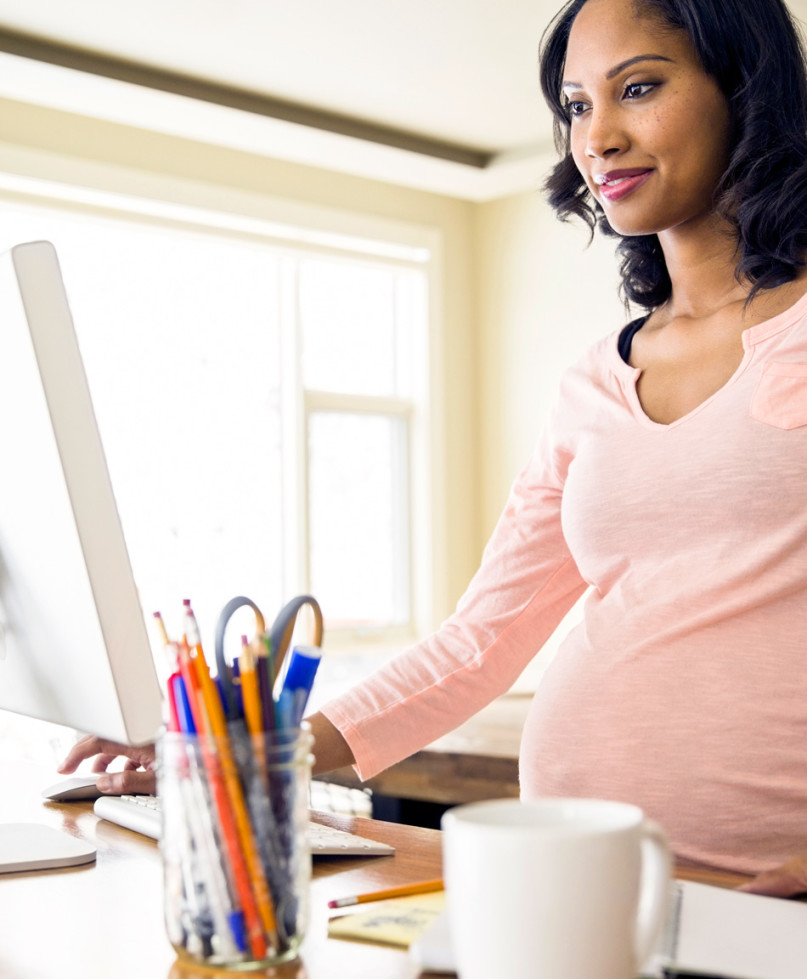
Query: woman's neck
x=702 y=266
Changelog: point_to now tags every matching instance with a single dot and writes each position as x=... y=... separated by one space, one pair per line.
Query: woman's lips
x=616 y=184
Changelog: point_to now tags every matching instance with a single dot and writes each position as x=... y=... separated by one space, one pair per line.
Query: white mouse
x=80 y=787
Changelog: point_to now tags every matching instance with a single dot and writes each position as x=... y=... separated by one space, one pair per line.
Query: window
x=262 y=403
x=359 y=327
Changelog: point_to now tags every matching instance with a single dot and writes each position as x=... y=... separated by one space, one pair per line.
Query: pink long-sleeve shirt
x=684 y=688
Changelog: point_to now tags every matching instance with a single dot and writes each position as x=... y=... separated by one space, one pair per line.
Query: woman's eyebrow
x=618 y=69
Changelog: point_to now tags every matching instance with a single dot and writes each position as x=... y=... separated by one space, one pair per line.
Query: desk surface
x=106 y=920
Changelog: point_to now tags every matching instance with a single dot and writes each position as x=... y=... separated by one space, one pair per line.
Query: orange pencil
x=425 y=887
x=191 y=686
x=249 y=689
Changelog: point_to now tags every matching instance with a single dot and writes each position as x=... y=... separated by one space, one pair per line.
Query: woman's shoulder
x=597 y=370
x=769 y=304
x=604 y=355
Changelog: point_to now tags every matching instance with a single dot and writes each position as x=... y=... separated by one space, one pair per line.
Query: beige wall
x=521 y=294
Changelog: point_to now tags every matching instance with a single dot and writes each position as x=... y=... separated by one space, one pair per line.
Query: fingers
x=86 y=747
x=104 y=752
x=128 y=782
x=774 y=883
x=102 y=762
x=784 y=881
x=137 y=776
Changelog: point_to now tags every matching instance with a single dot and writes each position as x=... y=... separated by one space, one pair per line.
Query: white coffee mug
x=553 y=889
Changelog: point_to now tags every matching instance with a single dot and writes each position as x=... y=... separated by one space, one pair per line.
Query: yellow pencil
x=161 y=629
x=425 y=887
x=249 y=689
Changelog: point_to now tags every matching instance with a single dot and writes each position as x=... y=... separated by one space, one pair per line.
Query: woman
x=670 y=481
x=672 y=477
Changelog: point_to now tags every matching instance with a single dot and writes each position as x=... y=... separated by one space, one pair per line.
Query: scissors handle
x=225 y=671
x=279 y=634
x=282 y=628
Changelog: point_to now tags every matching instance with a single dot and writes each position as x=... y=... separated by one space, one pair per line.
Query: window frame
x=300 y=402
x=82 y=186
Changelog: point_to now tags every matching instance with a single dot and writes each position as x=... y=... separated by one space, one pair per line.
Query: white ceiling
x=461 y=72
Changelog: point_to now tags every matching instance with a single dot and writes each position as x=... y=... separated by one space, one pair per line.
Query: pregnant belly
x=681 y=743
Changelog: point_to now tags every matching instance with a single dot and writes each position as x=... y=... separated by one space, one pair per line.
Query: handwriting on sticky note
x=396 y=922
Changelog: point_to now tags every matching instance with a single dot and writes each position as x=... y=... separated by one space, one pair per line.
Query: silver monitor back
x=74 y=648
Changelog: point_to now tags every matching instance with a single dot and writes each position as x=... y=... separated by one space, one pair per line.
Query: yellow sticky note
x=396 y=921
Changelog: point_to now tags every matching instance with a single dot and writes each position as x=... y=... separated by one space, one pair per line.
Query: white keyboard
x=141 y=813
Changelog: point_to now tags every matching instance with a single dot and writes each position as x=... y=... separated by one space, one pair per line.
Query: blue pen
x=297 y=683
x=186 y=724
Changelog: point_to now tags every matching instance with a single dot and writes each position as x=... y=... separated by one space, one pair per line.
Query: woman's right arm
x=138 y=775
x=330 y=748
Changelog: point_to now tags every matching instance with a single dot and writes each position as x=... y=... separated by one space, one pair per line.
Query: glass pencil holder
x=234 y=845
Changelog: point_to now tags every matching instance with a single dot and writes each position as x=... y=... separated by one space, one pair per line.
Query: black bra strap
x=627 y=335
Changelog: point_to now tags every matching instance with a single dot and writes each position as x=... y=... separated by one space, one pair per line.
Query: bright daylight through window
x=257 y=400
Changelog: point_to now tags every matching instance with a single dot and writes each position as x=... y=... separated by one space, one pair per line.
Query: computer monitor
x=74 y=648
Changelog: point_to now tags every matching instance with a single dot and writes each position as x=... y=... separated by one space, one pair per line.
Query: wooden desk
x=106 y=920
x=479 y=760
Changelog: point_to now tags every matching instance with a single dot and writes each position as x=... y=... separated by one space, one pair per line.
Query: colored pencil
x=425 y=887
x=265 y=672
x=249 y=689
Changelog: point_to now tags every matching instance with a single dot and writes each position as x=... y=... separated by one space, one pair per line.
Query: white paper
x=711 y=931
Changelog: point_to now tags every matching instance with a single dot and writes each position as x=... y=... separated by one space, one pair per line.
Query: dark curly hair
x=754 y=51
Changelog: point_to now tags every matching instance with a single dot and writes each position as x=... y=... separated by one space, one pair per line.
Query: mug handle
x=655 y=895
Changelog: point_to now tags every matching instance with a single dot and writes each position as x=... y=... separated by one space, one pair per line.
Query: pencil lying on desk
x=425 y=887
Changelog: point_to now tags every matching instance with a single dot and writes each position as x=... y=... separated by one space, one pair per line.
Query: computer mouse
x=78 y=788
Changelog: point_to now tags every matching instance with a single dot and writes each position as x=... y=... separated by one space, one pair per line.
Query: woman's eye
x=576 y=107
x=637 y=89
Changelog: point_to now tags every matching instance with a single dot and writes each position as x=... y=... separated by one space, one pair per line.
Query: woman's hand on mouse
x=138 y=774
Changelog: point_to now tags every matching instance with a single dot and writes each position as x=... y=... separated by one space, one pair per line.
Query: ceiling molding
x=204 y=90
x=76 y=80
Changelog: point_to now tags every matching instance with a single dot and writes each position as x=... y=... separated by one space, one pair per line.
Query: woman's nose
x=605 y=134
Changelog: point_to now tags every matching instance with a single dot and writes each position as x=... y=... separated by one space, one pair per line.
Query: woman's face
x=649 y=128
